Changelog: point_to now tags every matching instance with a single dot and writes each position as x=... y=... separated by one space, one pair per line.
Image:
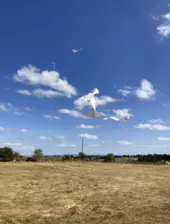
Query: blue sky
x=125 y=54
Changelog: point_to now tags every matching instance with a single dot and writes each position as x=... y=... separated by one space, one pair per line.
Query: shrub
x=109 y=158
x=82 y=155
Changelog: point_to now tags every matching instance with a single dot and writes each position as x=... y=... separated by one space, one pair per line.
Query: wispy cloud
x=3 y=108
x=19 y=113
x=125 y=92
x=96 y=145
x=146 y=91
x=163 y=139
x=163 y=28
x=87 y=136
x=35 y=77
x=2 y=129
x=152 y=146
x=100 y=101
x=125 y=143
x=153 y=127
x=46 y=93
x=59 y=137
x=28 y=109
x=8 y=107
x=66 y=145
x=156 y=121
x=86 y=126
x=41 y=93
x=50 y=117
x=45 y=138
x=72 y=113
x=24 y=92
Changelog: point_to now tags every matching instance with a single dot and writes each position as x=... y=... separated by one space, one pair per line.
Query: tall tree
x=38 y=154
x=6 y=154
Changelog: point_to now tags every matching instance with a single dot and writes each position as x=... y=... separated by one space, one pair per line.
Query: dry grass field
x=75 y=192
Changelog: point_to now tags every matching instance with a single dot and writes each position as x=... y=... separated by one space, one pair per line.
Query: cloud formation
x=50 y=117
x=163 y=29
x=45 y=138
x=163 y=139
x=13 y=129
x=156 y=121
x=99 y=101
x=41 y=93
x=24 y=92
x=87 y=136
x=66 y=145
x=125 y=143
x=121 y=113
x=3 y=108
x=84 y=126
x=35 y=77
x=72 y=113
x=146 y=90
x=153 y=127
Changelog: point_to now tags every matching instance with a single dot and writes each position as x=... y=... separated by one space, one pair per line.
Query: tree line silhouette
x=8 y=154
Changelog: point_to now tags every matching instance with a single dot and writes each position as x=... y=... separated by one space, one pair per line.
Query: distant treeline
x=8 y=154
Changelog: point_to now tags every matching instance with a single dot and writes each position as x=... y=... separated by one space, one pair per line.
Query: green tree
x=38 y=154
x=6 y=154
x=109 y=158
x=82 y=155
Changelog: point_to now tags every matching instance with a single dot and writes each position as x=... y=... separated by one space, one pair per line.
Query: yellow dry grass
x=75 y=192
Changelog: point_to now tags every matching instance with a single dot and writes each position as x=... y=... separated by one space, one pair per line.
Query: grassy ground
x=73 y=192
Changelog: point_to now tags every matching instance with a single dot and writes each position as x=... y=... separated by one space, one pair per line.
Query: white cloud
x=122 y=113
x=59 y=137
x=146 y=90
x=100 y=101
x=156 y=121
x=3 y=108
x=153 y=127
x=19 y=113
x=163 y=139
x=84 y=126
x=46 y=93
x=66 y=145
x=13 y=129
x=45 y=138
x=124 y=92
x=35 y=77
x=152 y=146
x=24 y=92
x=72 y=113
x=125 y=143
x=87 y=136
x=41 y=93
x=95 y=145
x=8 y=107
x=163 y=29
x=10 y=144
x=28 y=109
x=46 y=116
x=24 y=130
